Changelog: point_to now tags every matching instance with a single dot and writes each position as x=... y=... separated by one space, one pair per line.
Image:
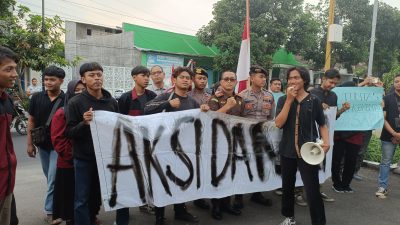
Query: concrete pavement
x=361 y=207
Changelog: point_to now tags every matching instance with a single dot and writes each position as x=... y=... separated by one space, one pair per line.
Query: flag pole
x=328 y=43
x=243 y=66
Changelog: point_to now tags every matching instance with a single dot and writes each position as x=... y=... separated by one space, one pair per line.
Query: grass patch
x=374 y=152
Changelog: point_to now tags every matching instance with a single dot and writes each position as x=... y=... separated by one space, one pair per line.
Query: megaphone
x=312 y=152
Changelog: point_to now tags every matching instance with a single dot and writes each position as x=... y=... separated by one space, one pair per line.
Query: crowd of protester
x=59 y=132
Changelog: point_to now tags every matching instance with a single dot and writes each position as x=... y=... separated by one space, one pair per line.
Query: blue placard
x=277 y=96
x=365 y=111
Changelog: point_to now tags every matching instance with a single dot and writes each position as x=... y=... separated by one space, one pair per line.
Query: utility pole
x=43 y=49
x=328 y=43
x=372 y=45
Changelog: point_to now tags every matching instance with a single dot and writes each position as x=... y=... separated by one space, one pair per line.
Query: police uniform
x=202 y=97
x=258 y=105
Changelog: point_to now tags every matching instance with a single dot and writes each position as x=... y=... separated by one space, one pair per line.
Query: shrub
x=374 y=152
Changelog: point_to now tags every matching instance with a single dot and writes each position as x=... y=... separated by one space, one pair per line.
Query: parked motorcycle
x=20 y=119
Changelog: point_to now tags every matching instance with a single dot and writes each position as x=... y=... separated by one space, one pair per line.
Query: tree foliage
x=302 y=30
x=270 y=22
x=357 y=22
x=22 y=32
x=388 y=78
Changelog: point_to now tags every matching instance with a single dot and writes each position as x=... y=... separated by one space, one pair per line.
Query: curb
x=375 y=165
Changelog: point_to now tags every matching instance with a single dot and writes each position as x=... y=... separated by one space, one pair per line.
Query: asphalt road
x=361 y=207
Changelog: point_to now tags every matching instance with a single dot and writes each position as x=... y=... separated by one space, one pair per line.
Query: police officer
x=258 y=104
x=199 y=93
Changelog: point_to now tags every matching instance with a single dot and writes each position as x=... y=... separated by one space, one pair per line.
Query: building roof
x=149 y=39
x=282 y=56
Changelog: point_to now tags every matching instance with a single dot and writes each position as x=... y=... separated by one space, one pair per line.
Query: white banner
x=169 y=158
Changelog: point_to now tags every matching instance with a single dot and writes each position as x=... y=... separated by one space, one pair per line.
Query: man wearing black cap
x=199 y=93
x=259 y=104
x=132 y=103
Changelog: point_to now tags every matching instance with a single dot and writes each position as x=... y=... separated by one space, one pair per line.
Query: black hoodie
x=78 y=131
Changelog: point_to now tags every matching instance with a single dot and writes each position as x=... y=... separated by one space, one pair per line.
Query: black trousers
x=178 y=208
x=309 y=175
x=348 y=151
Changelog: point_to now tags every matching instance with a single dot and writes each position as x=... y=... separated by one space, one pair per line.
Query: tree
x=357 y=22
x=307 y=36
x=22 y=32
x=388 y=77
x=270 y=22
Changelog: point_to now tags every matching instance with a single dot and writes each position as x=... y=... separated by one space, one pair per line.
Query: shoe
x=187 y=217
x=300 y=200
x=260 y=199
x=289 y=221
x=381 y=193
x=160 y=221
x=48 y=219
x=337 y=189
x=216 y=213
x=356 y=176
x=278 y=192
x=201 y=203
x=326 y=198
x=147 y=209
x=348 y=190
x=238 y=202
x=232 y=210
x=57 y=221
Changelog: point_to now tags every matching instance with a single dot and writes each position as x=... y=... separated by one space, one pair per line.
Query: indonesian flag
x=243 y=66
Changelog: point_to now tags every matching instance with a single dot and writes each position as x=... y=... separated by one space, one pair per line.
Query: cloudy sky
x=173 y=15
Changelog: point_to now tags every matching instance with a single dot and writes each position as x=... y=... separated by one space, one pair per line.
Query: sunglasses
x=227 y=79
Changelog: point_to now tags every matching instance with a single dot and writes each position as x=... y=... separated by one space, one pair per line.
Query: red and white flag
x=243 y=67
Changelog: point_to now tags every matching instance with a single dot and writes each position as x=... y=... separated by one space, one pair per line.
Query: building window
x=89 y=32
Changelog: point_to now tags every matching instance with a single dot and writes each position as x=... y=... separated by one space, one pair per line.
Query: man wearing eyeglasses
x=258 y=104
x=230 y=103
x=157 y=75
x=178 y=100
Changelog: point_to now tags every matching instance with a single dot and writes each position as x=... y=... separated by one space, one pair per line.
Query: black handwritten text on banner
x=170 y=158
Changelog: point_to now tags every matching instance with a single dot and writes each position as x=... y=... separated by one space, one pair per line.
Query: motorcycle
x=20 y=119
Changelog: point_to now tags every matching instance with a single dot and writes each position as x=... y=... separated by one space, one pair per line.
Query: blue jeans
x=48 y=159
x=87 y=191
x=388 y=149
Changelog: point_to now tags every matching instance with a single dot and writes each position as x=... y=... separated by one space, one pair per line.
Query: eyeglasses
x=227 y=79
x=184 y=77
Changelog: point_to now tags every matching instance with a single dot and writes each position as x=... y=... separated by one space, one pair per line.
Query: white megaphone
x=312 y=152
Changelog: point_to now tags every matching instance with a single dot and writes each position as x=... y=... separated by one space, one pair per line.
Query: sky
x=173 y=15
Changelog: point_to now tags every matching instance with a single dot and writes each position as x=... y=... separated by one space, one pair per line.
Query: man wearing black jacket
x=79 y=115
x=178 y=100
x=132 y=103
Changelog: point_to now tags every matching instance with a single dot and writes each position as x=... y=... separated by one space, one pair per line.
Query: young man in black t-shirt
x=40 y=107
x=390 y=136
x=297 y=113
x=178 y=100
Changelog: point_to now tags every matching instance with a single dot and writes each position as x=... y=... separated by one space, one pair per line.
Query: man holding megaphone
x=297 y=114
